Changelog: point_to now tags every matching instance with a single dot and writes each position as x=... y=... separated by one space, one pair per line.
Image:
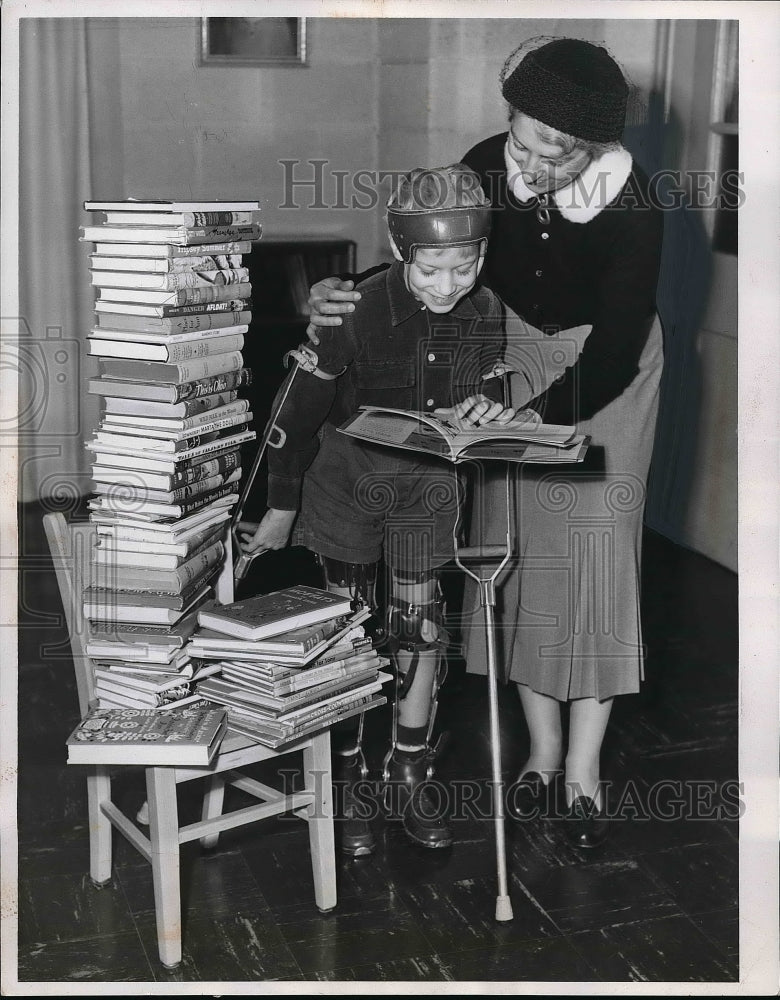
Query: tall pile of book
x=290 y=663
x=173 y=306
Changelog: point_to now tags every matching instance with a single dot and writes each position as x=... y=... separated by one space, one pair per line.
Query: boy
x=422 y=337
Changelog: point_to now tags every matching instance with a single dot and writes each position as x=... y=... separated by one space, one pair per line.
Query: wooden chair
x=72 y=547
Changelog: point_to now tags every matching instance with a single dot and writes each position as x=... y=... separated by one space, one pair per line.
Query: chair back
x=72 y=547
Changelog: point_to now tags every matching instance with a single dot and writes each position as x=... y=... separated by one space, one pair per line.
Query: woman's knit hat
x=572 y=86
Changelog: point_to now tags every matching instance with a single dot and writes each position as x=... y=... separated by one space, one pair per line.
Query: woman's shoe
x=527 y=798
x=584 y=824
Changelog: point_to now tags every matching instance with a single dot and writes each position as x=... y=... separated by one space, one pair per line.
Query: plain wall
x=377 y=94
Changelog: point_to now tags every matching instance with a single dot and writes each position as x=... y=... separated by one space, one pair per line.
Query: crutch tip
x=503 y=908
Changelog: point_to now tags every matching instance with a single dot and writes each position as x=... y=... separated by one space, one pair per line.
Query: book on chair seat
x=187 y=735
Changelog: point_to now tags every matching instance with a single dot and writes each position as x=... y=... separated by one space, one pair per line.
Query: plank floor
x=658 y=902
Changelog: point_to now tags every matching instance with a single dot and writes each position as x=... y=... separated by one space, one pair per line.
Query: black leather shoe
x=407 y=798
x=527 y=797
x=351 y=807
x=585 y=825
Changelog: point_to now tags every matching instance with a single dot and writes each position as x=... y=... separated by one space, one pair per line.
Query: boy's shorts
x=361 y=502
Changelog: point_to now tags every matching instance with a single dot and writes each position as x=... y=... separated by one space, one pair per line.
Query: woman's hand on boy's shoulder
x=329 y=300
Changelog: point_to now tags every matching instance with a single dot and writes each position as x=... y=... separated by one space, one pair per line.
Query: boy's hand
x=329 y=299
x=273 y=532
x=476 y=411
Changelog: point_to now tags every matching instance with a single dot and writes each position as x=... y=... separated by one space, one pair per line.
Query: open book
x=518 y=441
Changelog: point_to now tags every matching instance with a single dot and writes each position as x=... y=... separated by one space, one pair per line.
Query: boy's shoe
x=353 y=830
x=408 y=798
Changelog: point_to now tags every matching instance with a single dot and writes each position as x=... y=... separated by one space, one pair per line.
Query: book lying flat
x=159 y=653
x=232 y=692
x=140 y=614
x=165 y=392
x=168 y=265
x=299 y=644
x=176 y=235
x=147 y=633
x=518 y=441
x=272 y=614
x=167 y=251
x=173 y=353
x=276 y=736
x=167 y=205
x=196 y=322
x=117 y=405
x=189 y=735
x=130 y=216
x=159 y=371
x=152 y=311
x=117 y=696
x=196 y=295
x=170 y=281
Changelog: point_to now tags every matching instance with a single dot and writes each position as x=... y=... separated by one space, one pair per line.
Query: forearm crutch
x=243 y=560
x=487 y=595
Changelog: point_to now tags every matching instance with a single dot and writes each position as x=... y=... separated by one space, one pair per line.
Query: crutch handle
x=242 y=560
x=482 y=552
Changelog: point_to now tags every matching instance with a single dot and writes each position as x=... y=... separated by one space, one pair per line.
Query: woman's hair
x=423 y=189
x=569 y=143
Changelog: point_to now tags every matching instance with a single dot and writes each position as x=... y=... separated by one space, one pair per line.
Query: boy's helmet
x=438 y=207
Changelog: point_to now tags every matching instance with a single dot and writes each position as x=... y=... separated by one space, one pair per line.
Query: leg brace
x=405 y=635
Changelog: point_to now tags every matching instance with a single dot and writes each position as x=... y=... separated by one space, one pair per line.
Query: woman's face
x=544 y=164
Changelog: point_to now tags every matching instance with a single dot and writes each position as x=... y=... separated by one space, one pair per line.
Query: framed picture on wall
x=253 y=41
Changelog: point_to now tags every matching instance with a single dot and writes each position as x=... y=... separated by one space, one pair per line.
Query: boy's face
x=440 y=277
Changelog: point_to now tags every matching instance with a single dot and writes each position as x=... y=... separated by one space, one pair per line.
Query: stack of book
x=173 y=306
x=290 y=663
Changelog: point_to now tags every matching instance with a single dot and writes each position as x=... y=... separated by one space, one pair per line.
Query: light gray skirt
x=568 y=611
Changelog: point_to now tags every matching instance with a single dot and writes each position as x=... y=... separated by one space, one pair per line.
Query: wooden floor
x=658 y=902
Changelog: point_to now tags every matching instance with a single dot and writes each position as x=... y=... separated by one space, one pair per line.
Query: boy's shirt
x=391 y=351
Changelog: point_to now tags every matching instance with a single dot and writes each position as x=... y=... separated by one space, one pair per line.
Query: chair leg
x=213 y=800
x=100 y=832
x=318 y=778
x=164 y=836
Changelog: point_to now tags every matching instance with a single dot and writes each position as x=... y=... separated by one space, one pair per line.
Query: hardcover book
x=168 y=392
x=518 y=441
x=272 y=614
x=151 y=311
x=168 y=205
x=158 y=371
x=108 y=347
x=169 y=411
x=168 y=265
x=196 y=322
x=130 y=216
x=274 y=734
x=178 y=236
x=204 y=294
x=171 y=281
x=165 y=251
x=305 y=646
x=189 y=735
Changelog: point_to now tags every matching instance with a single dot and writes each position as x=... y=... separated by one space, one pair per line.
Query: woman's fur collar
x=596 y=187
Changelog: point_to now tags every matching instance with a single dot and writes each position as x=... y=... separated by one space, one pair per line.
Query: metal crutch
x=487 y=595
x=243 y=560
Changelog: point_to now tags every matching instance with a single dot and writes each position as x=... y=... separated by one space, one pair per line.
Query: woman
x=576 y=240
